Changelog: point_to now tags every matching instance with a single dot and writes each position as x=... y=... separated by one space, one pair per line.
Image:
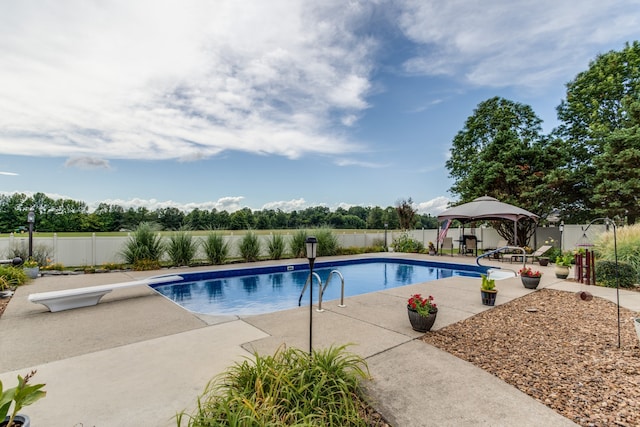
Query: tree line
x=66 y=215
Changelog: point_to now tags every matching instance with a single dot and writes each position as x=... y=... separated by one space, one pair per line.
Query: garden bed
x=560 y=350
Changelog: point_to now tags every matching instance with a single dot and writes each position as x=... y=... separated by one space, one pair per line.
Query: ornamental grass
x=288 y=388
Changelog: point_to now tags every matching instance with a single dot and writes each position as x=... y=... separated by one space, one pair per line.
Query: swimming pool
x=246 y=291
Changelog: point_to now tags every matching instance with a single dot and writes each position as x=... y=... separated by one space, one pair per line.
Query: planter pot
x=543 y=261
x=530 y=282
x=432 y=252
x=421 y=323
x=32 y=272
x=562 y=272
x=19 y=420
x=488 y=297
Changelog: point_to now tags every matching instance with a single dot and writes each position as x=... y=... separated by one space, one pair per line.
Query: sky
x=279 y=104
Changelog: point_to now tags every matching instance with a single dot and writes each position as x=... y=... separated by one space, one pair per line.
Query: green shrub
x=41 y=253
x=289 y=388
x=351 y=250
x=298 y=244
x=11 y=277
x=277 y=246
x=216 y=248
x=249 y=247
x=628 y=246
x=327 y=242
x=144 y=244
x=404 y=243
x=606 y=274
x=181 y=248
x=146 y=265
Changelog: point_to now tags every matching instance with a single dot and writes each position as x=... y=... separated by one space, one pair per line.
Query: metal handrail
x=486 y=254
x=323 y=288
x=307 y=283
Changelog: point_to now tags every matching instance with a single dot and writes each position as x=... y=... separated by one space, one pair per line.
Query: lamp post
x=386 y=225
x=561 y=228
x=31 y=218
x=311 y=256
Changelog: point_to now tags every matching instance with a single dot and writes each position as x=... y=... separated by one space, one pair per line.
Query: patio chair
x=470 y=246
x=533 y=256
x=447 y=243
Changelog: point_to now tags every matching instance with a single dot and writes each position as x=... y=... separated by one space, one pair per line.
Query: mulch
x=559 y=349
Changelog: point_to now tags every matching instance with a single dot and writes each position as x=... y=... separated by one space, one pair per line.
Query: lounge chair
x=533 y=256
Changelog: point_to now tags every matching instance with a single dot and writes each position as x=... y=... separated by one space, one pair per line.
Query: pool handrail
x=323 y=288
x=495 y=251
x=307 y=283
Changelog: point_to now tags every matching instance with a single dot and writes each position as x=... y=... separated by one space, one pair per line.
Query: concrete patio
x=137 y=358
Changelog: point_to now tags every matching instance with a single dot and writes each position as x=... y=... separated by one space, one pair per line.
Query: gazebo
x=487 y=208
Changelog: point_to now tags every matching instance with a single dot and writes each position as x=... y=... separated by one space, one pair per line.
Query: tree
x=617 y=178
x=406 y=214
x=597 y=104
x=501 y=152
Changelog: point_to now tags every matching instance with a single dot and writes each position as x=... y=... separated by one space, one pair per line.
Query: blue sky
x=280 y=104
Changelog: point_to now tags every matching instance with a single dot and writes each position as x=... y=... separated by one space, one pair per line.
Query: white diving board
x=85 y=297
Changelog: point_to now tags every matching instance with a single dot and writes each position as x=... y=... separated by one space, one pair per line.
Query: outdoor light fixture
x=31 y=218
x=561 y=229
x=311 y=256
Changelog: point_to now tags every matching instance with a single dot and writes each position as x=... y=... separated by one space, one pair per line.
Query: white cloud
x=287 y=206
x=229 y=204
x=351 y=162
x=506 y=42
x=433 y=206
x=87 y=163
x=180 y=80
x=8 y=173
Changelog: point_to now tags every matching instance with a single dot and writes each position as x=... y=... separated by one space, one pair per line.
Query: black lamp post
x=31 y=218
x=561 y=228
x=311 y=256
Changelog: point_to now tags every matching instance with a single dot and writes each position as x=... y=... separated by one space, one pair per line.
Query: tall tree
x=617 y=178
x=596 y=105
x=502 y=153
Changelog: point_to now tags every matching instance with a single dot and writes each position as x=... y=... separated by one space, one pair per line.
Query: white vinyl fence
x=98 y=250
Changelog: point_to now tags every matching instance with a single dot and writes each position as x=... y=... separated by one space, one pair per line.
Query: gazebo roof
x=486 y=207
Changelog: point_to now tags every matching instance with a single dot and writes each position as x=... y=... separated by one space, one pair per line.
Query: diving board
x=84 y=297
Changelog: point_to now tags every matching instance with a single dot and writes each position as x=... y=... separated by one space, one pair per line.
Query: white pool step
x=499 y=274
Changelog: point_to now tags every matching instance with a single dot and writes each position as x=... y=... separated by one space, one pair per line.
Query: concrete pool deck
x=138 y=359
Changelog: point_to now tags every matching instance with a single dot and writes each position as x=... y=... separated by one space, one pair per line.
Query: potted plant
x=530 y=278
x=422 y=312
x=432 y=248
x=488 y=291
x=31 y=268
x=563 y=264
x=20 y=396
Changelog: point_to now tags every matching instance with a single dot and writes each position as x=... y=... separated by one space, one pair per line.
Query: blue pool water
x=268 y=289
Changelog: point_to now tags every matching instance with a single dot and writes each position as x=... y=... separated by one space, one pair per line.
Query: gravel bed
x=559 y=349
